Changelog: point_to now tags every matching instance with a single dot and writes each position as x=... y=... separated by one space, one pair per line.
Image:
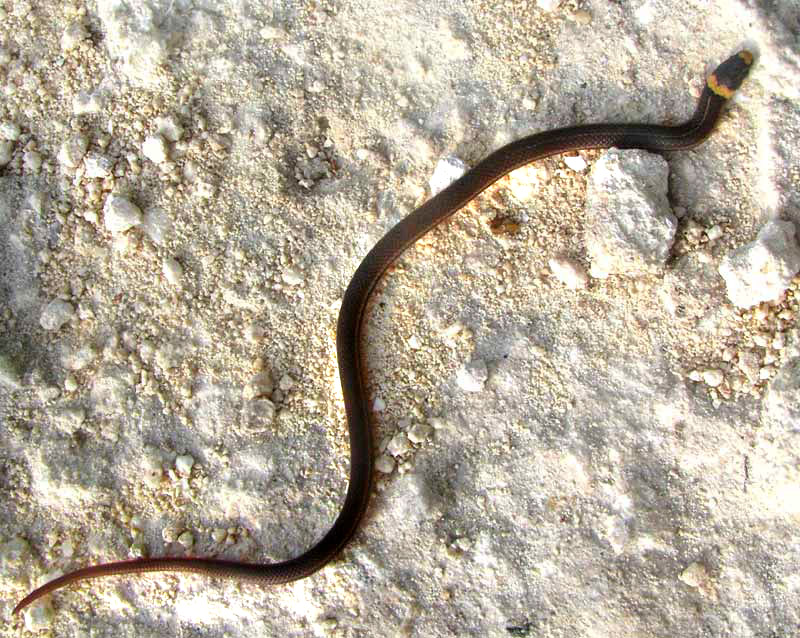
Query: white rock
x=97 y=166
x=286 y=383
x=85 y=103
x=120 y=214
x=384 y=464
x=399 y=444
x=763 y=269
x=713 y=377
x=448 y=170
x=419 y=433
x=173 y=271
x=576 y=163
x=184 y=464
x=56 y=314
x=629 y=224
x=6 y=152
x=157 y=225
x=569 y=272
x=695 y=575
x=134 y=34
x=186 y=539
x=472 y=376
x=155 y=149
x=169 y=128
x=72 y=151
x=414 y=343
x=40 y=616
x=10 y=131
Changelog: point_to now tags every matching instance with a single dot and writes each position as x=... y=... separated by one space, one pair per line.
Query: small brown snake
x=719 y=87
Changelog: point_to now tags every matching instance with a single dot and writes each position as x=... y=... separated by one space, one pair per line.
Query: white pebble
x=120 y=214
x=378 y=405
x=85 y=103
x=70 y=383
x=695 y=575
x=714 y=233
x=186 y=539
x=384 y=464
x=10 y=131
x=155 y=149
x=414 y=343
x=399 y=444
x=713 y=377
x=286 y=383
x=6 y=152
x=763 y=269
x=218 y=534
x=97 y=166
x=56 y=314
x=173 y=271
x=472 y=376
x=447 y=171
x=72 y=151
x=184 y=464
x=576 y=163
x=169 y=128
x=569 y=272
x=419 y=433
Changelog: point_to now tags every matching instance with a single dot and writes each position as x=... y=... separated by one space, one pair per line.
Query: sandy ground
x=169 y=384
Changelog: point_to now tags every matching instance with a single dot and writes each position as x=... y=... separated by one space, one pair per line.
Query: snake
x=719 y=88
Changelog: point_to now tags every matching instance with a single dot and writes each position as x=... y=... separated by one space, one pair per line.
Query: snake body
x=719 y=87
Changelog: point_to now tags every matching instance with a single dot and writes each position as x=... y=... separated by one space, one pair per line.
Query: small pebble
x=399 y=444
x=184 y=464
x=173 y=271
x=6 y=152
x=155 y=149
x=10 y=131
x=56 y=314
x=384 y=464
x=472 y=376
x=447 y=171
x=419 y=432
x=713 y=377
x=218 y=535
x=186 y=539
x=569 y=272
x=576 y=163
x=414 y=343
x=286 y=383
x=120 y=214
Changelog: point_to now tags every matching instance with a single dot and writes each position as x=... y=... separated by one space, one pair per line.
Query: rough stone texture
x=782 y=403
x=629 y=224
x=762 y=270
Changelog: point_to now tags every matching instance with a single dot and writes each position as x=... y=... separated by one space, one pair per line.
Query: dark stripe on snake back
x=719 y=87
